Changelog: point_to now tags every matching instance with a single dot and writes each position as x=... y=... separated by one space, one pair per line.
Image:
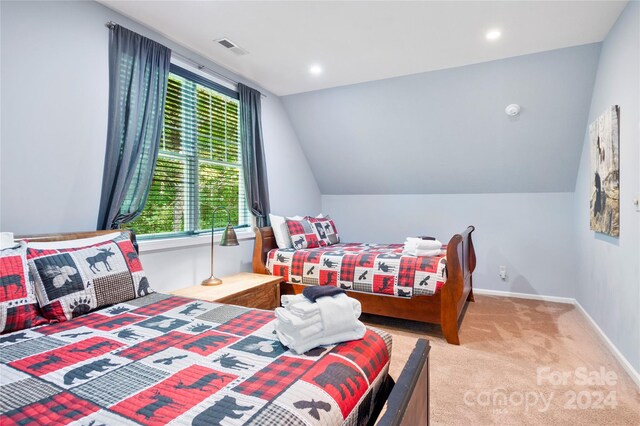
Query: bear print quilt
x=163 y=359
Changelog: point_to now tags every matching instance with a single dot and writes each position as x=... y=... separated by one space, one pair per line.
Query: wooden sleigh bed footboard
x=444 y=307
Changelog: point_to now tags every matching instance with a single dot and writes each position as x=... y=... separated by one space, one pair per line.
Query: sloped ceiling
x=446 y=131
x=359 y=41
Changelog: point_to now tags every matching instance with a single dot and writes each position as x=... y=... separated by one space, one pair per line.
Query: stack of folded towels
x=422 y=246
x=322 y=315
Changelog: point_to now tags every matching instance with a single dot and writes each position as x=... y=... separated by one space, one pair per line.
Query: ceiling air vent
x=231 y=46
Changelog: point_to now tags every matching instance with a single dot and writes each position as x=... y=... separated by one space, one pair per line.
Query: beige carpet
x=520 y=362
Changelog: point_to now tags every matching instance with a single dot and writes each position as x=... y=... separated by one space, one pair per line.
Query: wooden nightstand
x=243 y=289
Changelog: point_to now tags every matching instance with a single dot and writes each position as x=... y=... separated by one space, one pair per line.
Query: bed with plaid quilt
x=169 y=360
x=367 y=268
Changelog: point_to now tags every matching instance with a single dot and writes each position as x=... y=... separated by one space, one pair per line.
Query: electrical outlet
x=503 y=272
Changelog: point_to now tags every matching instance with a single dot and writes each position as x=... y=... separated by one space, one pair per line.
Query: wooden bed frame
x=444 y=307
x=77 y=235
x=407 y=400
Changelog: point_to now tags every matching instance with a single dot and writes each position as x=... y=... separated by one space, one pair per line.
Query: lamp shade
x=229 y=237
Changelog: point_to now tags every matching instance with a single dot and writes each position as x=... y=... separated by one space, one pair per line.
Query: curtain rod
x=199 y=66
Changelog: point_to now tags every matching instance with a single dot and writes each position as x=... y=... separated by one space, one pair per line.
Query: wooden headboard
x=76 y=235
x=265 y=242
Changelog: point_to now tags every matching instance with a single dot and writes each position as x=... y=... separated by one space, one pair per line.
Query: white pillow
x=6 y=240
x=280 y=230
x=77 y=243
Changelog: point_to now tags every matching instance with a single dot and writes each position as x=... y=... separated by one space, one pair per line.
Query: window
x=199 y=164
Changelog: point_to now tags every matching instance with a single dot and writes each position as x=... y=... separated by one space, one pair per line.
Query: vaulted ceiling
x=358 y=41
x=447 y=132
x=412 y=94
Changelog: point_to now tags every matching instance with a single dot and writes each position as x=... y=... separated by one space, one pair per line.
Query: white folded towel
x=422 y=253
x=304 y=308
x=307 y=331
x=288 y=299
x=294 y=320
x=337 y=313
x=301 y=346
x=301 y=334
x=419 y=243
x=296 y=326
x=302 y=325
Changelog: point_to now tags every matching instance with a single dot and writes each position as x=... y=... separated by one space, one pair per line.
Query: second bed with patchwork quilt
x=368 y=268
x=431 y=289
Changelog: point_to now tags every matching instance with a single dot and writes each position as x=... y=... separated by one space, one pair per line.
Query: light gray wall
x=292 y=186
x=609 y=273
x=170 y=269
x=54 y=117
x=528 y=233
x=446 y=131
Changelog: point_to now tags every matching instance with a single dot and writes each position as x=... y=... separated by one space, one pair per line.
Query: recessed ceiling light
x=315 y=69
x=493 y=34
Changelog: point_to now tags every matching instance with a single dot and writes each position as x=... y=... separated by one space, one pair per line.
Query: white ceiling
x=358 y=41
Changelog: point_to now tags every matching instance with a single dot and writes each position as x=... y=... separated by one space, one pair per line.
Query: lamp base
x=211 y=281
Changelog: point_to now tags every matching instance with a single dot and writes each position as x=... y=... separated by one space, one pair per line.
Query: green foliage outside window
x=199 y=163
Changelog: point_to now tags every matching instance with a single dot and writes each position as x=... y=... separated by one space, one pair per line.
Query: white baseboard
x=626 y=365
x=635 y=376
x=556 y=299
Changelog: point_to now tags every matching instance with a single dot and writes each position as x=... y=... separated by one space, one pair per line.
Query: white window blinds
x=199 y=165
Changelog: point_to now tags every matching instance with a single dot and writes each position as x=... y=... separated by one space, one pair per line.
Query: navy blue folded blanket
x=315 y=292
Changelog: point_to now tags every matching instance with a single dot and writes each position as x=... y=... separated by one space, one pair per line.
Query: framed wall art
x=604 y=137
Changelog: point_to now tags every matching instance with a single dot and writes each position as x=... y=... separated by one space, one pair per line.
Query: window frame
x=191 y=192
x=197 y=78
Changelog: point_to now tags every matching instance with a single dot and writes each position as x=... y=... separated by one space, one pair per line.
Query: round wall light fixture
x=512 y=110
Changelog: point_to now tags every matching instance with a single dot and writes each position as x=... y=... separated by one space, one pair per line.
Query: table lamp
x=229 y=238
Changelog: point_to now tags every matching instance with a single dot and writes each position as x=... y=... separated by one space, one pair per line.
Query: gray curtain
x=255 y=169
x=138 y=72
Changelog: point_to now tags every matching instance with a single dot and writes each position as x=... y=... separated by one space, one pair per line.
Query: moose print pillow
x=74 y=281
x=303 y=234
x=325 y=229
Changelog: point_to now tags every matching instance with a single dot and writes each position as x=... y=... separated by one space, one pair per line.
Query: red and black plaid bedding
x=368 y=268
x=168 y=360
